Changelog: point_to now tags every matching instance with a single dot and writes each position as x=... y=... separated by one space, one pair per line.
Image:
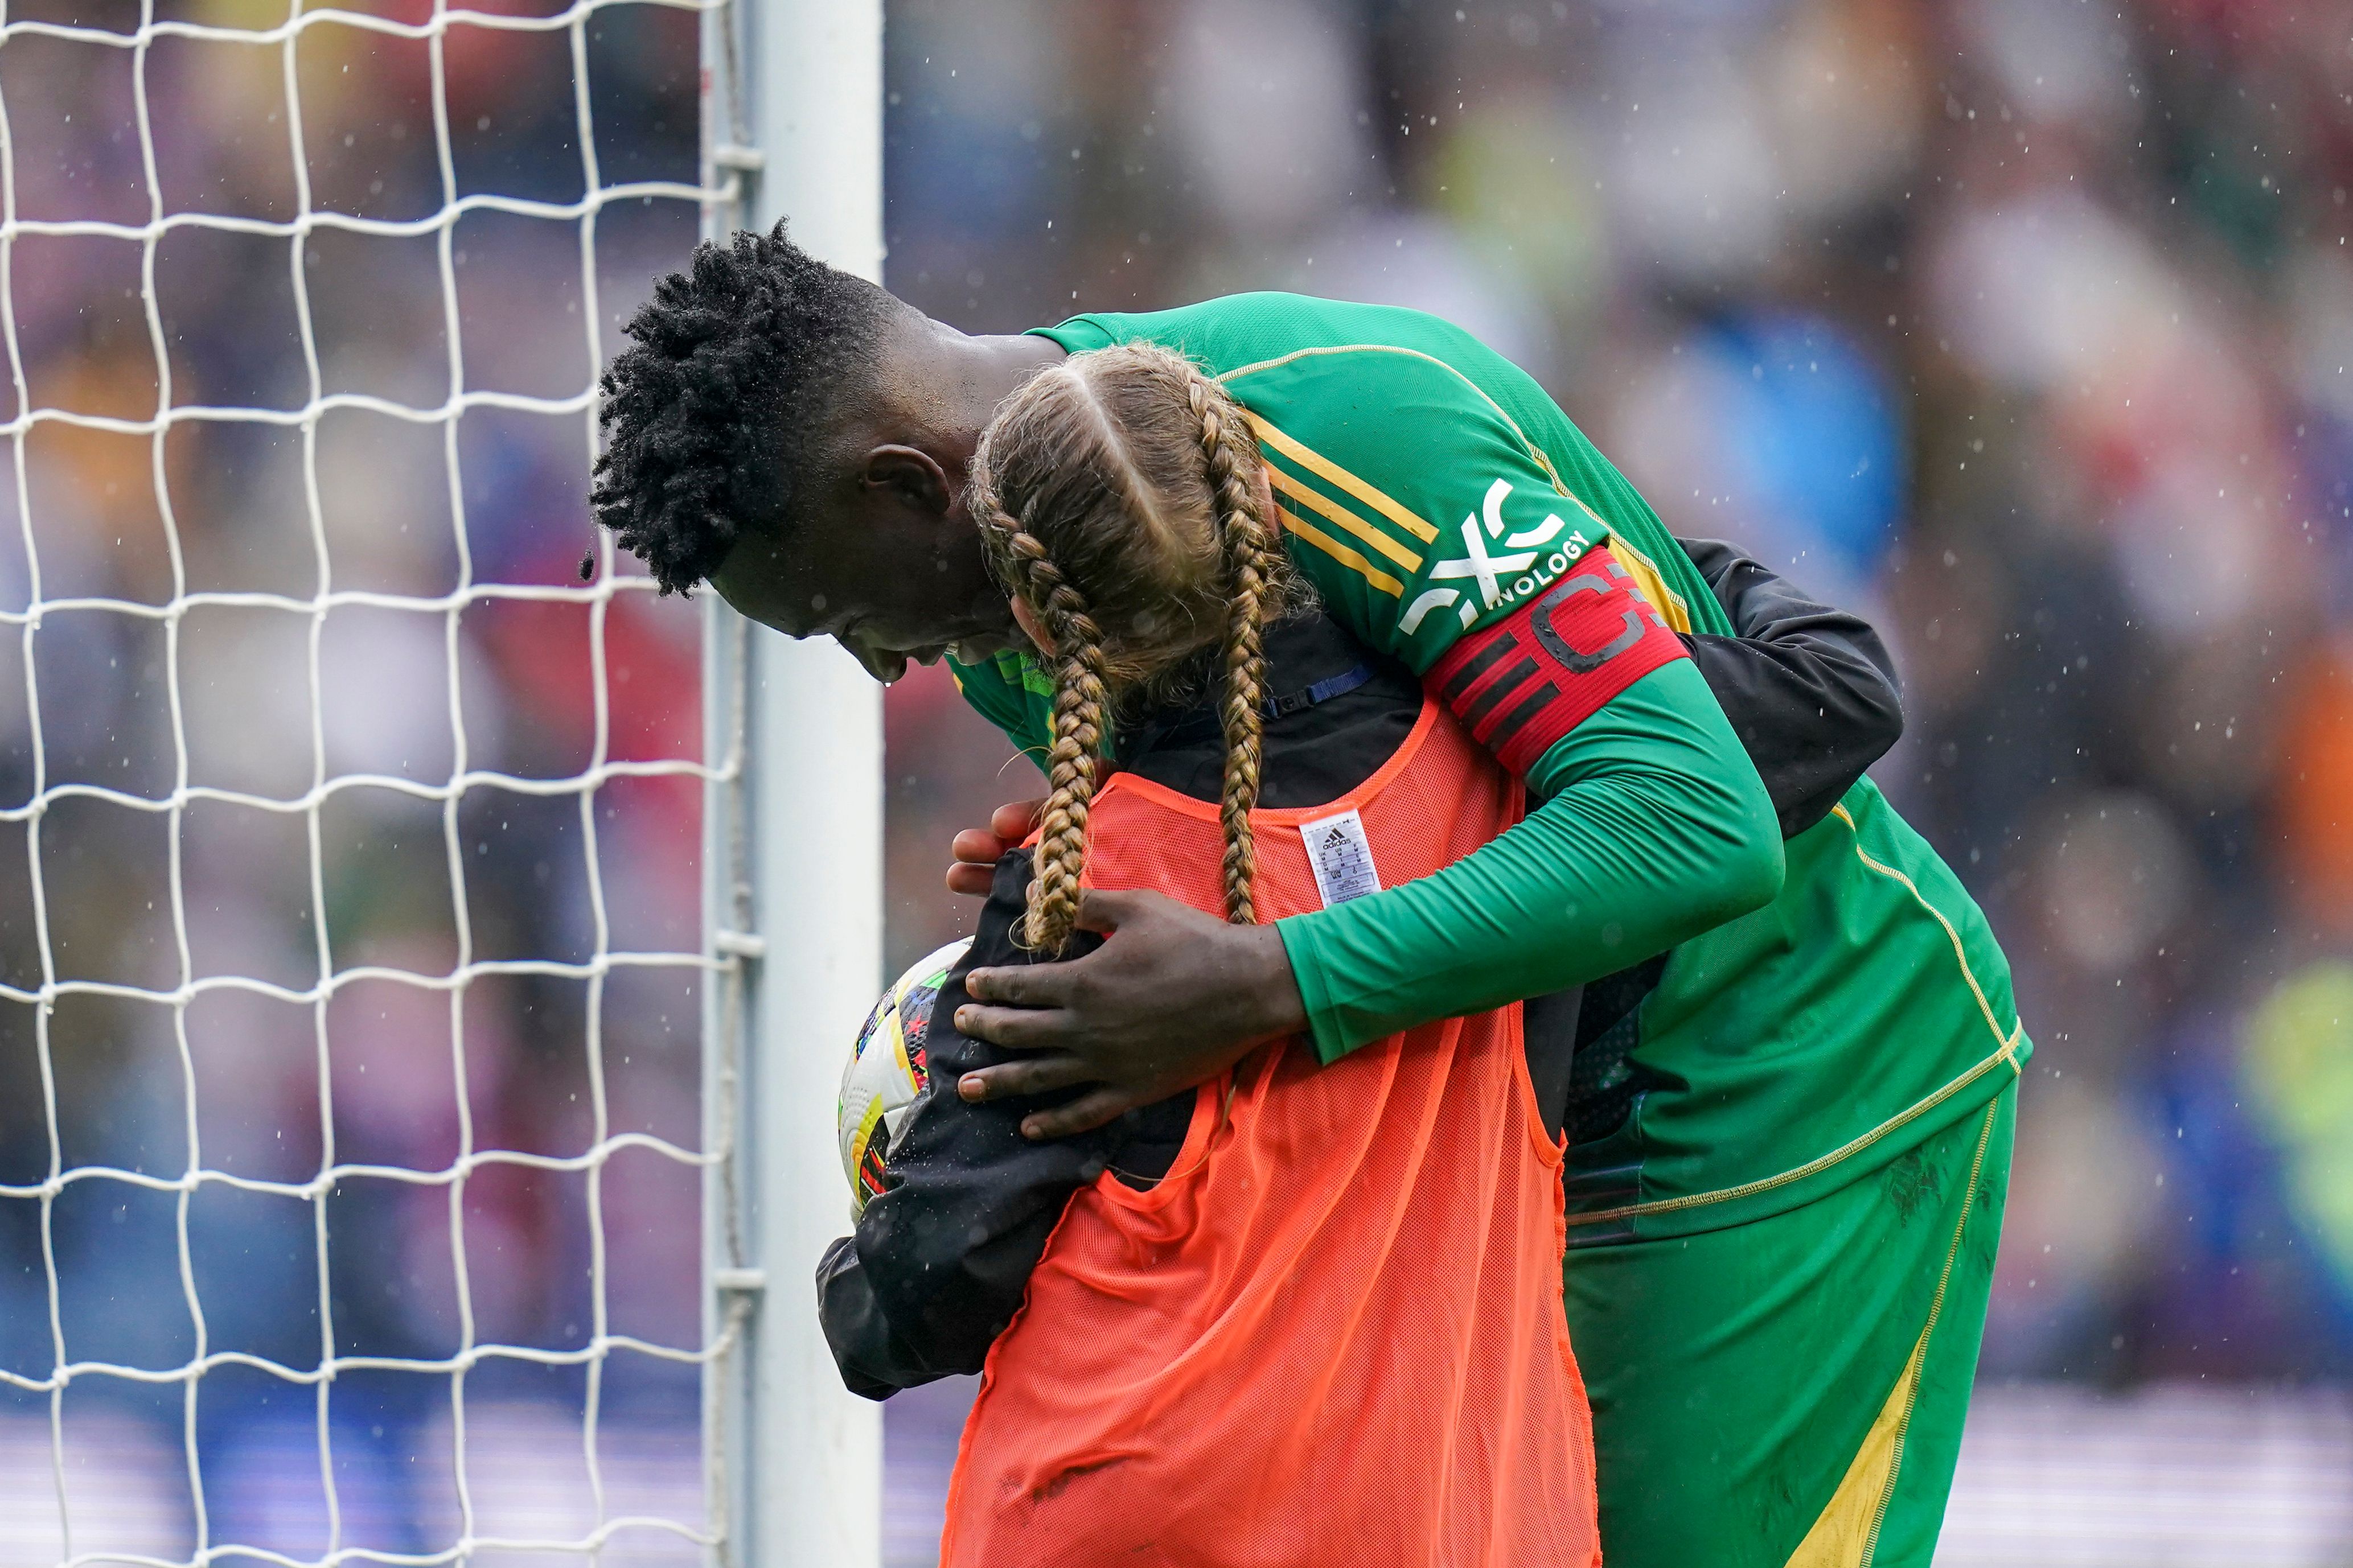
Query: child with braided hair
x=1174 y=1388
x=1235 y=1325
x=1174 y=570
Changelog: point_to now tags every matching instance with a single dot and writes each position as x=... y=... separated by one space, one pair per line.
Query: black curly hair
x=711 y=419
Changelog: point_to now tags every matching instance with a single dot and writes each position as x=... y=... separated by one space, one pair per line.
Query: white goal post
x=793 y=864
x=293 y=651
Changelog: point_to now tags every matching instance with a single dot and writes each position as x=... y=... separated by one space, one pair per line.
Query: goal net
x=352 y=955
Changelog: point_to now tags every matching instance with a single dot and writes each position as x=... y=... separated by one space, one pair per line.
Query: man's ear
x=912 y=474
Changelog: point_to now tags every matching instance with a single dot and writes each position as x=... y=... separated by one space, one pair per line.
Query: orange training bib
x=1333 y=1333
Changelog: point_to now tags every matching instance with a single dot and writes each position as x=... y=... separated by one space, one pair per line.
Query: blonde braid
x=1117 y=496
x=1080 y=696
x=1250 y=555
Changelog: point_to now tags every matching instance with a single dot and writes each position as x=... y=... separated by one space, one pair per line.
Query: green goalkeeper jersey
x=1430 y=487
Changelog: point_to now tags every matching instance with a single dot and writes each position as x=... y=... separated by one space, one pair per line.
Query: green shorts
x=1789 y=1393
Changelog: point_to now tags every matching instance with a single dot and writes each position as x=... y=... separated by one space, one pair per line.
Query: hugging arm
x=1646 y=835
x=1811 y=694
x=1654 y=830
x=1661 y=813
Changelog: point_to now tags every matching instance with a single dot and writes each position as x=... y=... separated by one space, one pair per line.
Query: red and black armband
x=1523 y=683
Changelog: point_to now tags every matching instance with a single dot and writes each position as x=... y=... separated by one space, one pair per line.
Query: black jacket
x=1810 y=688
x=941 y=1259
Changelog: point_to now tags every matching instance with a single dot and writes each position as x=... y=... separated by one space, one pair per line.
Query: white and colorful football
x=887 y=1070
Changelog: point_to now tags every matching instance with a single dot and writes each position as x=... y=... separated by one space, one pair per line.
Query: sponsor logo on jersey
x=1523 y=562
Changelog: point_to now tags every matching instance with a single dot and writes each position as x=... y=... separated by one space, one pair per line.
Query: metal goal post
x=793 y=864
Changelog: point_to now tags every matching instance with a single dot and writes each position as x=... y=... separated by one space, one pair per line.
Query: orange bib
x=1333 y=1333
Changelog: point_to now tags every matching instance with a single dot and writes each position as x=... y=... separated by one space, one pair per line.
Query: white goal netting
x=351 y=951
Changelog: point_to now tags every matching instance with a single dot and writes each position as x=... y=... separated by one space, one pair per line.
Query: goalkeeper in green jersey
x=1793 y=1094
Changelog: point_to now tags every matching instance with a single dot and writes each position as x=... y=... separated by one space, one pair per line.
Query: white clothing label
x=1340 y=857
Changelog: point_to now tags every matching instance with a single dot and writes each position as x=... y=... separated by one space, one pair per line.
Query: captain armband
x=1523 y=683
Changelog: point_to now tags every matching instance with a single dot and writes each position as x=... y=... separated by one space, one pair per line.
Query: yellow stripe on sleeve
x=1348 y=520
x=1663 y=599
x=1323 y=467
x=1342 y=554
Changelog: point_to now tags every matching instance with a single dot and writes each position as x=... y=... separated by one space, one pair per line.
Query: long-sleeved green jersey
x=1430 y=490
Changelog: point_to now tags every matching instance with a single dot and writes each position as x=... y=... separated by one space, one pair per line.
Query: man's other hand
x=1171 y=998
x=978 y=849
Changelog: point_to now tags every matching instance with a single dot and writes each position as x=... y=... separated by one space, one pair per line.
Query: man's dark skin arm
x=1233 y=985
x=1810 y=689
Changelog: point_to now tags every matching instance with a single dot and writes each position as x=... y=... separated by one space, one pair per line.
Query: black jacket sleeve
x=942 y=1257
x=1810 y=688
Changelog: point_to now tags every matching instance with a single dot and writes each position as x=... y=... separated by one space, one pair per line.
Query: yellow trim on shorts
x=2007 y=1052
x=1845 y=1534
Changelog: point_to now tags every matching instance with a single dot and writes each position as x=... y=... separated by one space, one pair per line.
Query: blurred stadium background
x=2026 y=325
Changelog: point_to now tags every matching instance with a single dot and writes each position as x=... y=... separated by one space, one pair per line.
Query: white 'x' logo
x=1479 y=563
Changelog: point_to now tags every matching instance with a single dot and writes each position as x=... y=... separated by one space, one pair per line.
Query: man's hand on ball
x=1171 y=998
x=978 y=849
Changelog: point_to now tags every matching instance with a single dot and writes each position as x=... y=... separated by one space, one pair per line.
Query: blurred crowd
x=2022 y=325
x=407 y=507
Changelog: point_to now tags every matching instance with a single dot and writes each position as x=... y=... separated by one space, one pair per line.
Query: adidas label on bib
x=1341 y=857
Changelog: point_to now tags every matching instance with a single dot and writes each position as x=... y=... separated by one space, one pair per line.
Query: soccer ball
x=887 y=1070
